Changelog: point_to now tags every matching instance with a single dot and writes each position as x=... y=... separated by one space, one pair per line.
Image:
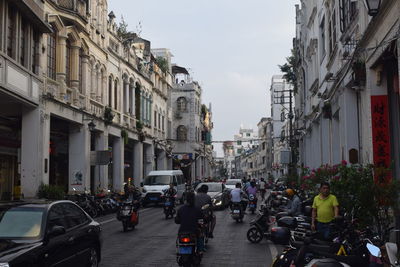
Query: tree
x=289 y=70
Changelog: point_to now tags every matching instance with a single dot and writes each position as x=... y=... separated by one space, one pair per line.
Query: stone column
x=148 y=158
x=161 y=160
x=138 y=162
x=85 y=75
x=75 y=73
x=31 y=159
x=118 y=164
x=101 y=171
x=79 y=158
x=44 y=143
x=61 y=51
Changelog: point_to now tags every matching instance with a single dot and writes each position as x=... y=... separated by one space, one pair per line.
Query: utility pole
x=290 y=117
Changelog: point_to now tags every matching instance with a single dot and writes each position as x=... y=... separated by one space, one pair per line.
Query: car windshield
x=231 y=182
x=20 y=223
x=157 y=180
x=212 y=187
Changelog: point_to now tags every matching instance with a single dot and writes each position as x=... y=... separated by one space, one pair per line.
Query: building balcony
x=79 y=7
x=17 y=81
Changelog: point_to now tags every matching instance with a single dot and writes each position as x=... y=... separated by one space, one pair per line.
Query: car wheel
x=93 y=260
x=254 y=235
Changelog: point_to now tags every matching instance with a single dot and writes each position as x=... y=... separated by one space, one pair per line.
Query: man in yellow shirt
x=325 y=209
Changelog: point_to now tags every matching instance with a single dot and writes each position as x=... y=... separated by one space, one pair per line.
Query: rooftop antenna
x=139 y=28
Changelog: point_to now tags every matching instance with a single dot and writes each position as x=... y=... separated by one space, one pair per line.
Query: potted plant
x=108 y=116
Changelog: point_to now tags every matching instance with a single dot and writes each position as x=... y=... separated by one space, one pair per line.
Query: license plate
x=236 y=211
x=252 y=206
x=167 y=203
x=185 y=250
x=154 y=198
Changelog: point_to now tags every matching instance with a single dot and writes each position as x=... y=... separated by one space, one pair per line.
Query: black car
x=220 y=195
x=43 y=233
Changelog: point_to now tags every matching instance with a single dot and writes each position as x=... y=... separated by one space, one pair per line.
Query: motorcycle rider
x=188 y=216
x=133 y=195
x=170 y=194
x=238 y=197
x=294 y=205
x=202 y=199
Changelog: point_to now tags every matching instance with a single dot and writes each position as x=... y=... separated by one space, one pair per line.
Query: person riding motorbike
x=188 y=217
x=133 y=195
x=202 y=199
x=238 y=196
x=170 y=194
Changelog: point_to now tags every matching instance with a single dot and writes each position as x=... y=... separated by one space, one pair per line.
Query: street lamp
x=91 y=126
x=373 y=6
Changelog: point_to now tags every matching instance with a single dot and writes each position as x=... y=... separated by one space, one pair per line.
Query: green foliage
x=357 y=192
x=139 y=125
x=108 y=116
x=289 y=70
x=123 y=32
x=50 y=192
x=162 y=63
x=124 y=134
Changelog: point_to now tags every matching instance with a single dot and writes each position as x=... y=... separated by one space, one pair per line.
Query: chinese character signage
x=381 y=137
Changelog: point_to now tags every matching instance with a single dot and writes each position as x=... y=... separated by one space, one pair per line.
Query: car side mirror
x=141 y=184
x=56 y=230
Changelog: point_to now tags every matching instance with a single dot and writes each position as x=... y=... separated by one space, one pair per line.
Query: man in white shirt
x=237 y=196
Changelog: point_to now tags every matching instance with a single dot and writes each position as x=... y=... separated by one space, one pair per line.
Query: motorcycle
x=260 y=226
x=252 y=203
x=169 y=207
x=237 y=212
x=187 y=251
x=128 y=214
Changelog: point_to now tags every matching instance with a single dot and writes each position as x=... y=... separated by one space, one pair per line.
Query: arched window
x=110 y=84
x=81 y=55
x=181 y=133
x=116 y=94
x=51 y=55
x=181 y=104
x=68 y=63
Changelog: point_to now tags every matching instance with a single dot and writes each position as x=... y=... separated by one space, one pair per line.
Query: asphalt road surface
x=152 y=242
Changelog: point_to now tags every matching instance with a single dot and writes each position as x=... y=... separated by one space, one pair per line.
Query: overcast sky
x=232 y=48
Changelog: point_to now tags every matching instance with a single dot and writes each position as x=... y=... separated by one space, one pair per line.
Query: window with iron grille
x=116 y=94
x=81 y=56
x=11 y=32
x=51 y=55
x=348 y=10
x=182 y=133
x=35 y=52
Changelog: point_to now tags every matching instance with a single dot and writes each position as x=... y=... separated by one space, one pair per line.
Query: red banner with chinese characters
x=381 y=138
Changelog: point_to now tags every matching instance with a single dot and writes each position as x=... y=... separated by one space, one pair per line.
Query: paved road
x=152 y=243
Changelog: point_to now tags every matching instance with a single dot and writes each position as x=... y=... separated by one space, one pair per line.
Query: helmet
x=280 y=235
x=290 y=192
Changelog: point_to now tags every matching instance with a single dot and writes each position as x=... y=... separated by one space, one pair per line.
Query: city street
x=152 y=243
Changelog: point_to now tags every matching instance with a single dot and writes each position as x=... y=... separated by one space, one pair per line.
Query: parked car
x=231 y=183
x=220 y=195
x=48 y=233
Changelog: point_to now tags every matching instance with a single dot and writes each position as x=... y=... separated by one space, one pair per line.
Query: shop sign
x=381 y=137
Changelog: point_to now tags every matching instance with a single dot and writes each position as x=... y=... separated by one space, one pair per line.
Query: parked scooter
x=260 y=226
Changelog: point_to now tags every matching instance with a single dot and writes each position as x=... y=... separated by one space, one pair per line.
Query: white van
x=157 y=181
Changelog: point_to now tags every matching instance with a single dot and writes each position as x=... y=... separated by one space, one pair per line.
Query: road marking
x=114 y=219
